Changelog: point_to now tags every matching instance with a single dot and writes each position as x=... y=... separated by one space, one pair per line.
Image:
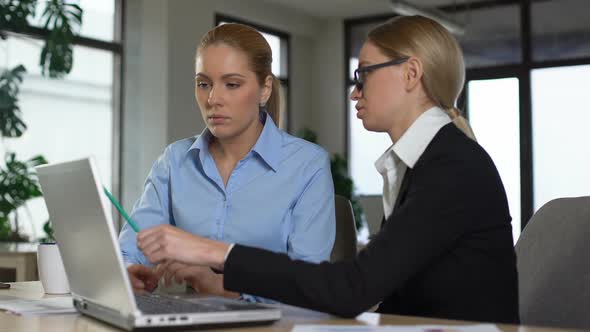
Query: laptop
x=81 y=218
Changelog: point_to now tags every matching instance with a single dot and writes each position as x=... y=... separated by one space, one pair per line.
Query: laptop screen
x=87 y=240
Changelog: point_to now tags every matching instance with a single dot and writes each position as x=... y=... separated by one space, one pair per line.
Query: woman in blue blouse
x=242 y=180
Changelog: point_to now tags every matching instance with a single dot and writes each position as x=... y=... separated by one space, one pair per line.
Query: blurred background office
x=131 y=89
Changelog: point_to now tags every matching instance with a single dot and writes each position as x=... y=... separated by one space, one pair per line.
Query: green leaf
x=48 y=20
x=18 y=182
x=48 y=229
x=14 y=13
x=308 y=135
x=57 y=54
x=5 y=229
x=11 y=123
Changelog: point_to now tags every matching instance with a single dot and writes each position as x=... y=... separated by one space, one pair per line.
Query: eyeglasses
x=360 y=74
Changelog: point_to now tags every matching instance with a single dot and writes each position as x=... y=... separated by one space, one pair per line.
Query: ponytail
x=460 y=122
x=273 y=105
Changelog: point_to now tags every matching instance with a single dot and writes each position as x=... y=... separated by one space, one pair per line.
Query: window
x=563 y=36
x=493 y=115
x=98 y=21
x=73 y=117
x=279 y=45
x=561 y=156
x=492 y=36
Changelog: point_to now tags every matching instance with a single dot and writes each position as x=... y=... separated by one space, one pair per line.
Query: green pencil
x=121 y=211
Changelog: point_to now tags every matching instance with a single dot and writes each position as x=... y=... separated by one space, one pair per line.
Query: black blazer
x=446 y=251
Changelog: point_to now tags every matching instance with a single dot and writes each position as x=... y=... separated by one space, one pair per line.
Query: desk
x=291 y=316
x=22 y=257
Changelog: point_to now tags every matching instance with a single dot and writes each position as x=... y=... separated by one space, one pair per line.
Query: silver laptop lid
x=81 y=218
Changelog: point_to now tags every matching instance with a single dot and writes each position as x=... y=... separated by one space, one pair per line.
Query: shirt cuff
x=231 y=246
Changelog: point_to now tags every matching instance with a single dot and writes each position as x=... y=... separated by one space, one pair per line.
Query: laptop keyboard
x=162 y=304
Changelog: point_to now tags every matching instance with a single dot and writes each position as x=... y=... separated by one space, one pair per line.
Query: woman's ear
x=266 y=90
x=413 y=73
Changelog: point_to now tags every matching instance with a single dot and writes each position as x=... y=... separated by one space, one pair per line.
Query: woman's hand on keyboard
x=143 y=279
x=201 y=278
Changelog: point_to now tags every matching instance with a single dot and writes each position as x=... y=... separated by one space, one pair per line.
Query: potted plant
x=18 y=181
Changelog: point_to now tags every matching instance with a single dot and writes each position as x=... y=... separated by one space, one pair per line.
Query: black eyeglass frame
x=367 y=69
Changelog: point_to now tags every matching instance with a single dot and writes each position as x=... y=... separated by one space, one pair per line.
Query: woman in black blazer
x=445 y=249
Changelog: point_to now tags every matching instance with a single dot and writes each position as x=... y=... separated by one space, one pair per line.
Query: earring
x=262 y=108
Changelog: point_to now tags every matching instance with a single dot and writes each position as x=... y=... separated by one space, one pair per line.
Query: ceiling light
x=408 y=9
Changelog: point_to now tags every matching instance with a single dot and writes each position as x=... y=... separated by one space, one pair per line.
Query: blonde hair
x=256 y=48
x=439 y=52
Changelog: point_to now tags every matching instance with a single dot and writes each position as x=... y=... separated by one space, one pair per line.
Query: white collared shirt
x=404 y=153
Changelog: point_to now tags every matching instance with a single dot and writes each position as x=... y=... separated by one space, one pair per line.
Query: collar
x=268 y=146
x=201 y=145
x=414 y=141
x=387 y=161
x=269 y=143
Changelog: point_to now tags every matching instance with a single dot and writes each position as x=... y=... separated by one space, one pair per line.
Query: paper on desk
x=54 y=305
x=396 y=328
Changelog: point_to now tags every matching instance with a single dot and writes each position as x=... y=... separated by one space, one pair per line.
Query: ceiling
x=354 y=8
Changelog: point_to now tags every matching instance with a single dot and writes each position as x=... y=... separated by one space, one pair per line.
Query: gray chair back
x=345 y=243
x=553 y=259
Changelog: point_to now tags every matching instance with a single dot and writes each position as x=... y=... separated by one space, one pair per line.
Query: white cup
x=51 y=269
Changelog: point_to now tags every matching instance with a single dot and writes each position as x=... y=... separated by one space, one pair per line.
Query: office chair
x=345 y=243
x=553 y=260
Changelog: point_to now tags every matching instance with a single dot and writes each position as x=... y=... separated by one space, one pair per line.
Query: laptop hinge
x=117 y=318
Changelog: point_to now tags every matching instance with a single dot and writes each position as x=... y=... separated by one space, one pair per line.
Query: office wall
x=328 y=104
x=145 y=103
